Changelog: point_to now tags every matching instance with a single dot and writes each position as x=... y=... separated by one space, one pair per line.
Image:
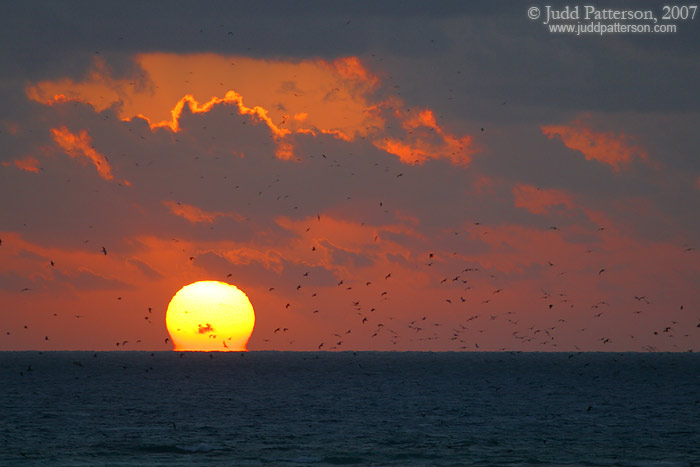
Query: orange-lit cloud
x=230 y=97
x=322 y=242
x=285 y=151
x=28 y=163
x=330 y=95
x=78 y=147
x=196 y=215
x=98 y=88
x=352 y=70
x=424 y=139
x=310 y=97
x=540 y=201
x=609 y=148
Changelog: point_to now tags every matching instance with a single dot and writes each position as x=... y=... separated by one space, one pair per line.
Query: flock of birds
x=468 y=328
x=473 y=323
x=471 y=327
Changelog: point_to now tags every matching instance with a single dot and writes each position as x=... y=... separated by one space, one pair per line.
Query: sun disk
x=210 y=315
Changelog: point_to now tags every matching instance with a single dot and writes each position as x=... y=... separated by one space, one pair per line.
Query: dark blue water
x=283 y=408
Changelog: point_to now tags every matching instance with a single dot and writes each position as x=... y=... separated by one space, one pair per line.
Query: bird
x=104 y=250
x=601 y=272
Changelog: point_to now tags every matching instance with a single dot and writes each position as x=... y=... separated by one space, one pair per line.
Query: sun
x=210 y=315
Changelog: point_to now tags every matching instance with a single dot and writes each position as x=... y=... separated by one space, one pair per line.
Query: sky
x=373 y=175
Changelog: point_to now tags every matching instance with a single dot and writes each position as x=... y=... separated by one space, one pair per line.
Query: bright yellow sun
x=210 y=315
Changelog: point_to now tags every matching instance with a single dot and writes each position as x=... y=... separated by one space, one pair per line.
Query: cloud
x=145 y=269
x=348 y=185
x=616 y=150
x=273 y=90
x=195 y=214
x=423 y=139
x=78 y=146
x=539 y=201
x=337 y=98
x=28 y=164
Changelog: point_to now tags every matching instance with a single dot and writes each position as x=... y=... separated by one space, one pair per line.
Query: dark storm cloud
x=486 y=53
x=57 y=31
x=477 y=64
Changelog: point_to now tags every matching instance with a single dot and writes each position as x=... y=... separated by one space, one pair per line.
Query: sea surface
x=347 y=408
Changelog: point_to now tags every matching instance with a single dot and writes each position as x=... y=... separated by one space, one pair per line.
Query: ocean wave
x=293 y=460
x=182 y=448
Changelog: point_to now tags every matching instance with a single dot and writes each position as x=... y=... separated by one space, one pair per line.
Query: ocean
x=349 y=408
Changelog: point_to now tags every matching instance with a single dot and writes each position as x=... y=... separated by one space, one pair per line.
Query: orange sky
x=353 y=216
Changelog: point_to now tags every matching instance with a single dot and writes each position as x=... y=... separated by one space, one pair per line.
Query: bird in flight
x=104 y=250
